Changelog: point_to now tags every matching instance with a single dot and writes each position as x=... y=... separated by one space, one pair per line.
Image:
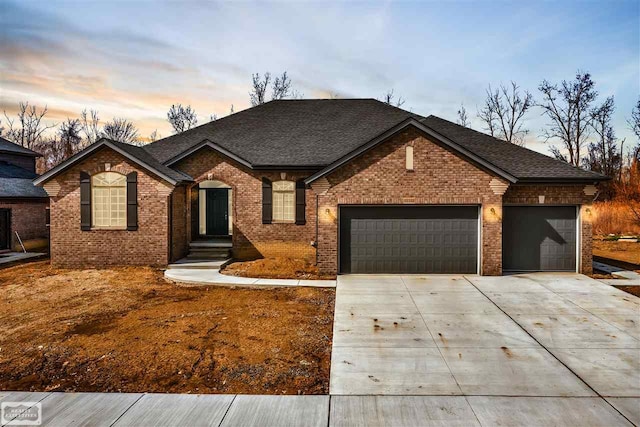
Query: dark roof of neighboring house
x=18 y=182
x=321 y=135
x=9 y=170
x=7 y=146
x=20 y=188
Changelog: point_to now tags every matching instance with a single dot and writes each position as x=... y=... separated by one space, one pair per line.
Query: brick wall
x=71 y=247
x=28 y=218
x=560 y=195
x=180 y=223
x=251 y=238
x=380 y=177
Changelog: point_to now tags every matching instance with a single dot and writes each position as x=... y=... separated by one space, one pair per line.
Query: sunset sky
x=134 y=59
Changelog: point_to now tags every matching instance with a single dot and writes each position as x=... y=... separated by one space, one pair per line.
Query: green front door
x=217 y=211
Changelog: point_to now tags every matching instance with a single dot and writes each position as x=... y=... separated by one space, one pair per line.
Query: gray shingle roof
x=290 y=132
x=142 y=155
x=17 y=182
x=518 y=161
x=7 y=146
x=316 y=133
x=20 y=187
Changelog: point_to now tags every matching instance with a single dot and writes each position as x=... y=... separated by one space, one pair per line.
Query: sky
x=134 y=59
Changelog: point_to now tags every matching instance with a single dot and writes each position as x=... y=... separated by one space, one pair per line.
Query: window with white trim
x=109 y=200
x=284 y=201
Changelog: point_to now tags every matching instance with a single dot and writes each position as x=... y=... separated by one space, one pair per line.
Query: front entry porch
x=211 y=210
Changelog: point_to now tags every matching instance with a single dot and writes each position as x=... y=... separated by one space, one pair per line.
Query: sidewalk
x=138 y=409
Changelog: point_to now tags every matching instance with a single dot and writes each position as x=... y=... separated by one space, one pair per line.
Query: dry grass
x=622 y=251
x=614 y=217
x=275 y=268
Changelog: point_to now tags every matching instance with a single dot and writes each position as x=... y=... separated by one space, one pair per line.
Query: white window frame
x=283 y=199
x=109 y=201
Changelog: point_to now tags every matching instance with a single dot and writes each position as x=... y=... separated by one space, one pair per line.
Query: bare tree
x=70 y=138
x=182 y=118
x=390 y=99
x=503 y=112
x=634 y=125
x=281 y=88
x=28 y=128
x=568 y=107
x=463 y=118
x=634 y=121
x=154 y=136
x=122 y=130
x=258 y=94
x=90 y=124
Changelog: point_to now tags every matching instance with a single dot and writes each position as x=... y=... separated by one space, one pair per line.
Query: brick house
x=23 y=206
x=356 y=185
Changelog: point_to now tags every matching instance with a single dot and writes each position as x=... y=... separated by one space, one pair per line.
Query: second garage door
x=539 y=238
x=408 y=239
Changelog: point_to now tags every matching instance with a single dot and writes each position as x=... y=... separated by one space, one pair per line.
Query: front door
x=5 y=229
x=217 y=211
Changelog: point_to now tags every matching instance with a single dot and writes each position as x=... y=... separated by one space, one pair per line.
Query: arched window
x=109 y=194
x=284 y=201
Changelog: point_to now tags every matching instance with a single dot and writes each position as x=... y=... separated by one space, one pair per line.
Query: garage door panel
x=539 y=238
x=409 y=239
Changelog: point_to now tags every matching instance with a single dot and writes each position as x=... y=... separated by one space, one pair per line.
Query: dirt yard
x=275 y=268
x=633 y=290
x=127 y=330
x=622 y=251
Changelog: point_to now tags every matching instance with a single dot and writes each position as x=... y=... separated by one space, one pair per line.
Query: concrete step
x=204 y=244
x=197 y=264
x=210 y=251
x=209 y=255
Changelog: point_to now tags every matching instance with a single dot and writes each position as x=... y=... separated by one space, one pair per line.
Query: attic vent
x=498 y=187
x=409 y=160
x=321 y=186
x=590 y=190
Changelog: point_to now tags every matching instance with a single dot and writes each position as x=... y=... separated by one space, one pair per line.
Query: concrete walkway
x=560 y=336
x=138 y=410
x=207 y=272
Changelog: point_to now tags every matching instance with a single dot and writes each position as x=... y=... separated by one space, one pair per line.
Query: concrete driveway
x=555 y=337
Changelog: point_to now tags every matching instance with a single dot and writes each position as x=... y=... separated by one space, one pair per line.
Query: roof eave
x=91 y=149
x=21 y=153
x=585 y=180
x=394 y=130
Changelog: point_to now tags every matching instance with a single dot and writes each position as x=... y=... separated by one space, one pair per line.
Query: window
x=284 y=201
x=109 y=194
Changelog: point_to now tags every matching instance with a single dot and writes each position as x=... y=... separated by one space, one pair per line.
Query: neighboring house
x=23 y=206
x=356 y=185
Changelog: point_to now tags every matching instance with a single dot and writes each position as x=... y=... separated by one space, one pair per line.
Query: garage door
x=408 y=239
x=539 y=238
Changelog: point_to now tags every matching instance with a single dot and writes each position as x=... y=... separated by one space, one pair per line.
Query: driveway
x=549 y=336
